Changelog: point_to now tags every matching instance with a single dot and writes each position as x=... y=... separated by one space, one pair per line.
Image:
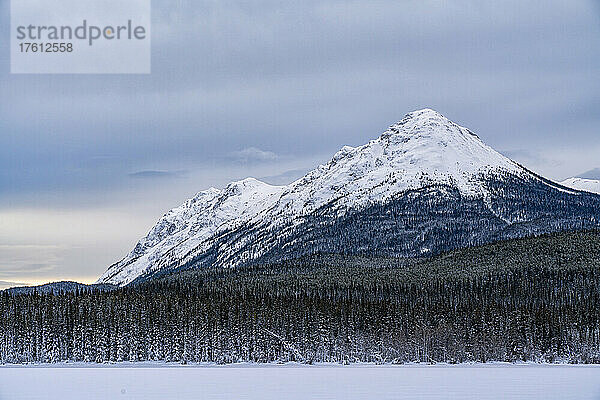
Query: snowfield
x=151 y=381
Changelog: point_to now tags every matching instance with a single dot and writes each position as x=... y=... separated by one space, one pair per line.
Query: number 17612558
x=46 y=47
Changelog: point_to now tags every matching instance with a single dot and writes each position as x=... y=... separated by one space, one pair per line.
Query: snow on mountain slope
x=587 y=185
x=185 y=227
x=422 y=149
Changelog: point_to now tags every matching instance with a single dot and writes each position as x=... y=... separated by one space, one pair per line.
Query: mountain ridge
x=424 y=160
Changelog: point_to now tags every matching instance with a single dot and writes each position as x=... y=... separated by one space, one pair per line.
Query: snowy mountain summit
x=425 y=185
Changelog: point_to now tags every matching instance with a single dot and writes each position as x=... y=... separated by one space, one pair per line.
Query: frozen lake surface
x=148 y=381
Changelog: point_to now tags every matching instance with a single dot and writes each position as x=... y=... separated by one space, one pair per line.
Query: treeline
x=535 y=299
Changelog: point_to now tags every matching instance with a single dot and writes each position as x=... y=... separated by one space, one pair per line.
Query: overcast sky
x=270 y=89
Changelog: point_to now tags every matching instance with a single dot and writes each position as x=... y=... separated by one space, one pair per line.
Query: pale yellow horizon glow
x=85 y=280
x=39 y=246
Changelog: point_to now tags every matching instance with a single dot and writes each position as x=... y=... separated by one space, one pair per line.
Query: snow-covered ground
x=147 y=381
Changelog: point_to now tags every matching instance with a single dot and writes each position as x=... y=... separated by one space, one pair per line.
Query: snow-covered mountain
x=587 y=185
x=424 y=186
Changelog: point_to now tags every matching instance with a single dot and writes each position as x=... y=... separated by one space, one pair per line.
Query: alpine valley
x=425 y=186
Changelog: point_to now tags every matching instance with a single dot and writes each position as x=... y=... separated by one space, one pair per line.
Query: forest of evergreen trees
x=533 y=299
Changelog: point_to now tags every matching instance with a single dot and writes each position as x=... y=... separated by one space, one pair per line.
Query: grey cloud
x=27 y=268
x=19 y=261
x=527 y=157
x=21 y=270
x=151 y=174
x=252 y=154
x=308 y=76
x=558 y=163
x=299 y=79
x=6 y=285
x=285 y=177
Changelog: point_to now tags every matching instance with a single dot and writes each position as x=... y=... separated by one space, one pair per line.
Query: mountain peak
x=427 y=123
x=421 y=150
x=244 y=185
x=425 y=117
x=425 y=113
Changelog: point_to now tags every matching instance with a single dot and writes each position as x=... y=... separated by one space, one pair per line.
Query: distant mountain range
x=425 y=186
x=58 y=288
x=594 y=174
x=589 y=182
